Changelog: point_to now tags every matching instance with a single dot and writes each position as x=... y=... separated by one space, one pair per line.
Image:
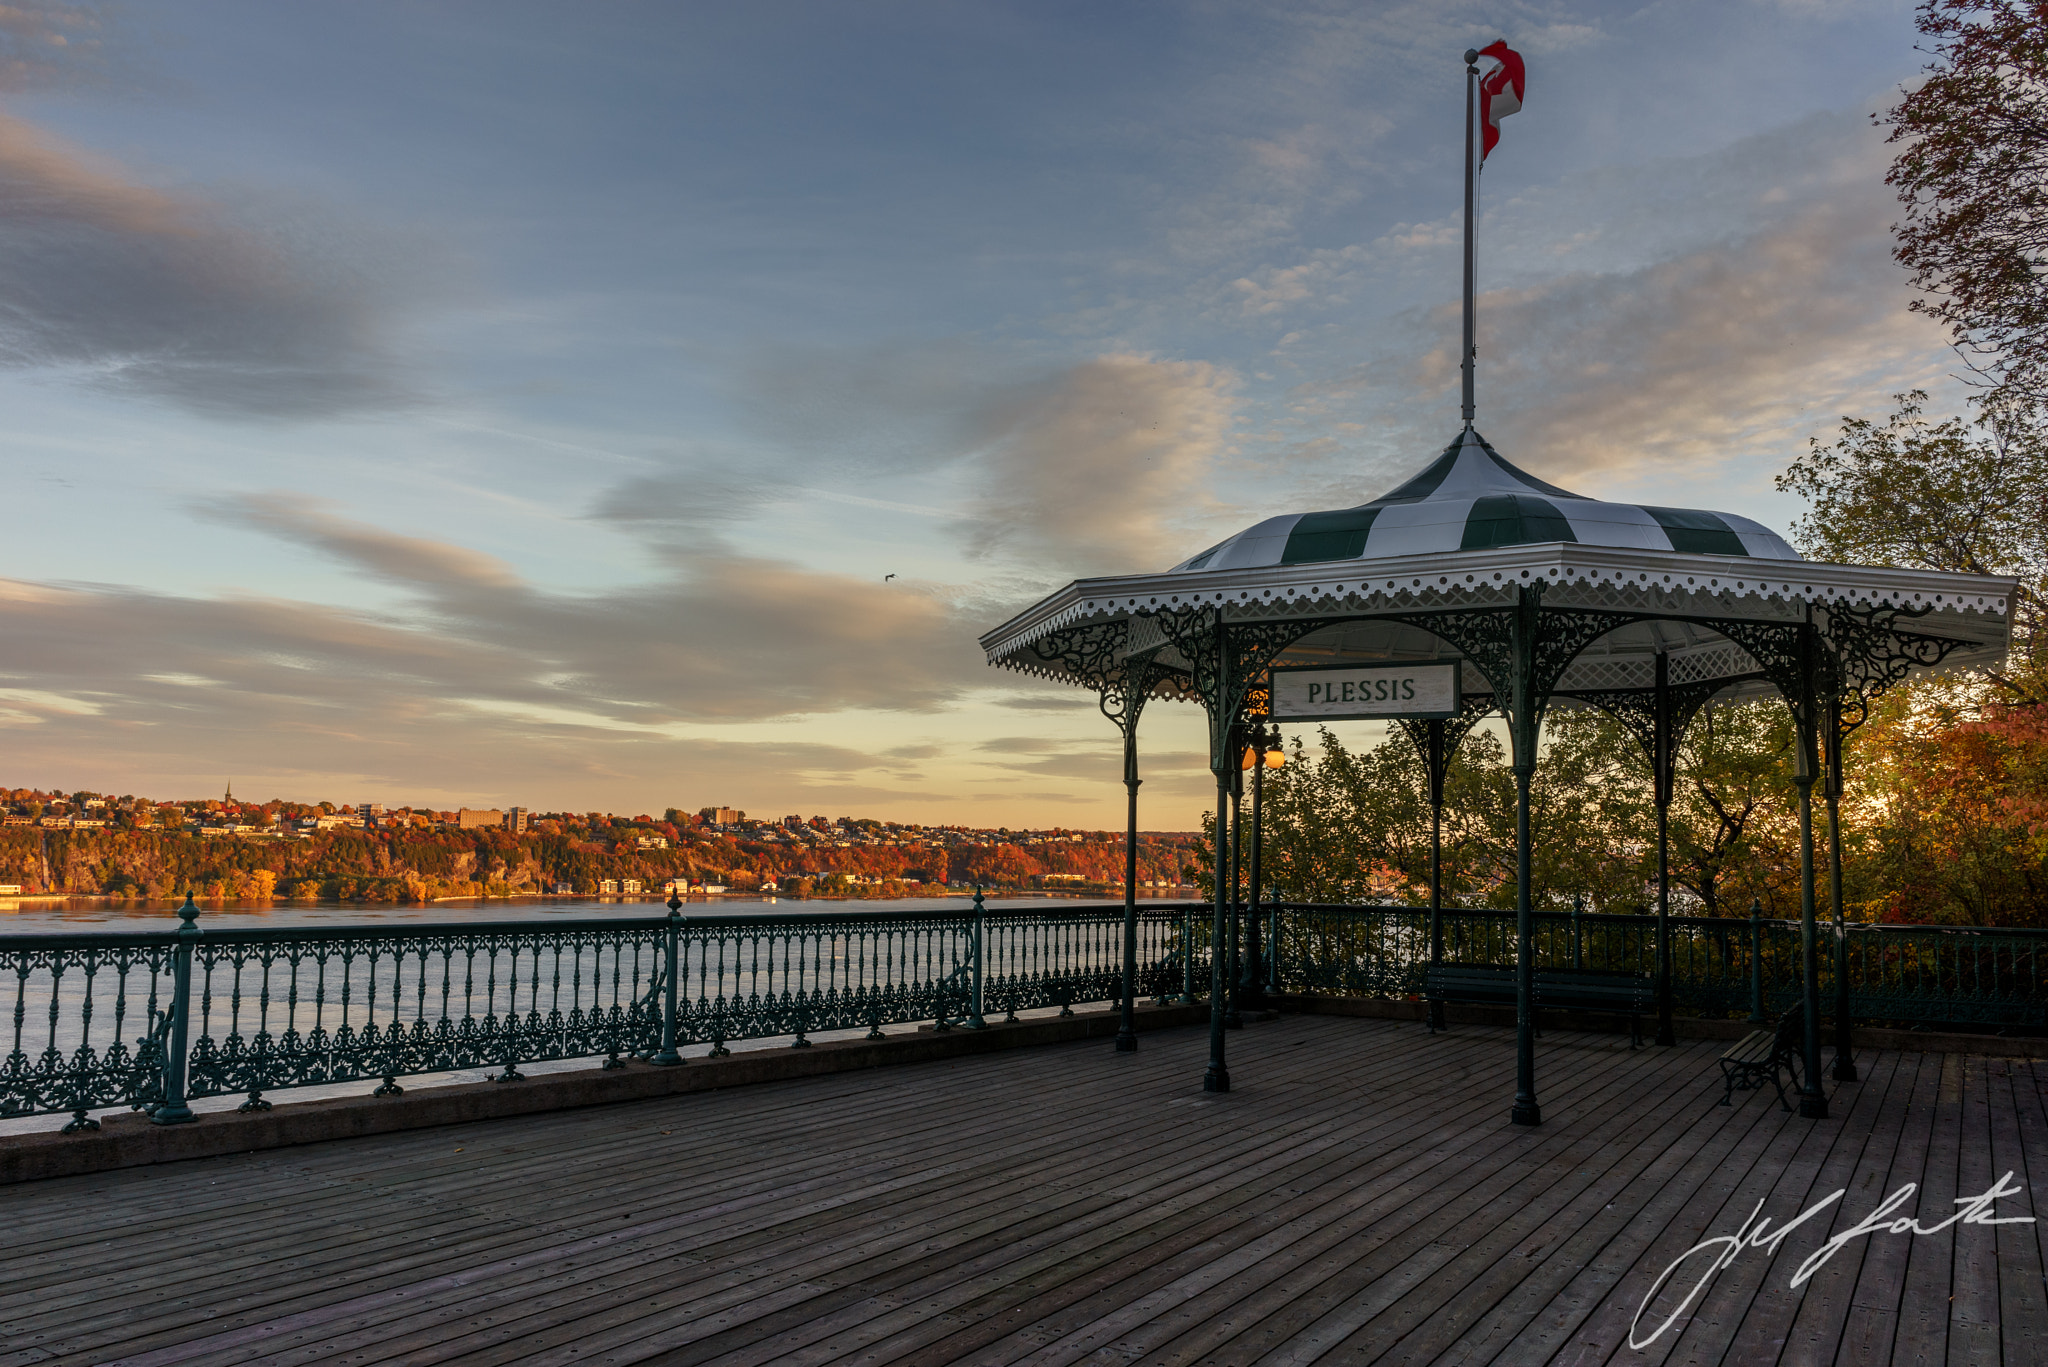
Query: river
x=91 y=914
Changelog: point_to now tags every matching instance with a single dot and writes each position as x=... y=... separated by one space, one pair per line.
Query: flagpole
x=1471 y=258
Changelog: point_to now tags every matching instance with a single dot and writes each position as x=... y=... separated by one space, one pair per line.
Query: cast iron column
x=1526 y=1111
x=1252 y=986
x=1844 y=1069
x=1234 y=1019
x=1813 y=1102
x=1127 y=1023
x=1438 y=762
x=1661 y=784
x=1223 y=764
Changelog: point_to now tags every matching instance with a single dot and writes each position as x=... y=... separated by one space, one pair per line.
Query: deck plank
x=1359 y=1197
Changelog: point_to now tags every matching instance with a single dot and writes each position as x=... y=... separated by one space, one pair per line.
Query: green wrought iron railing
x=1908 y=974
x=151 y=1021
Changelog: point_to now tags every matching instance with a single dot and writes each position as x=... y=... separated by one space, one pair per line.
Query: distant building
x=651 y=842
x=607 y=887
x=630 y=885
x=725 y=816
x=370 y=809
x=10 y=889
x=794 y=823
x=468 y=820
x=517 y=820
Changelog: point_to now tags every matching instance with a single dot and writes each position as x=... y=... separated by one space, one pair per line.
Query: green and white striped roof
x=1469 y=498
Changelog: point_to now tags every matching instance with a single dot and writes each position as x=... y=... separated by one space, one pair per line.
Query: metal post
x=1471 y=250
x=1578 y=930
x=1223 y=763
x=1127 y=1019
x=1217 y=1076
x=1756 y=961
x=1438 y=762
x=1661 y=787
x=1813 y=1102
x=974 y=1017
x=1254 y=962
x=1187 y=955
x=1233 y=1018
x=1273 y=939
x=1526 y=1111
x=667 y=1055
x=1844 y=1069
x=174 y=1110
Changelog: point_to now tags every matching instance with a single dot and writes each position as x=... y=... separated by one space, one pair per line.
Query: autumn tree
x=1967 y=497
x=1972 y=172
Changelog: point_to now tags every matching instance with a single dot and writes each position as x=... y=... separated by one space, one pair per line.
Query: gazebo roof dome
x=1469 y=498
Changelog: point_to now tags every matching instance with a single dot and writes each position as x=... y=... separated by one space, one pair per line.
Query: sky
x=637 y=405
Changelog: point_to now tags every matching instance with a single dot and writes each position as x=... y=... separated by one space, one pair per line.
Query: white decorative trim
x=1971 y=608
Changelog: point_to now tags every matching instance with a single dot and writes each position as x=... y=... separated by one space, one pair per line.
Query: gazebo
x=1533 y=596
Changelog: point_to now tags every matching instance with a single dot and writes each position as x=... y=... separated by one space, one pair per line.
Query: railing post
x=174 y=1111
x=1578 y=931
x=1756 y=960
x=974 y=1016
x=1187 y=954
x=668 y=1057
x=1273 y=941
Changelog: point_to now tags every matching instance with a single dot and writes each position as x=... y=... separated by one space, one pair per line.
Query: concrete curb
x=130 y=1141
x=1864 y=1037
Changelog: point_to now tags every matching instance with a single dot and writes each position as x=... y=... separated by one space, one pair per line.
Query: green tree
x=1965 y=497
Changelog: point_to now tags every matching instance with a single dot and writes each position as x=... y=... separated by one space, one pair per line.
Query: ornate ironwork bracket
x=1438 y=739
x=1230 y=663
x=1871 y=656
x=1094 y=653
x=1636 y=710
x=1523 y=650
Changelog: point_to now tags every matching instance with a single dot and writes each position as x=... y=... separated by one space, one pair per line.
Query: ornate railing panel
x=95 y=1025
x=1719 y=965
x=88 y=1021
x=269 y=1010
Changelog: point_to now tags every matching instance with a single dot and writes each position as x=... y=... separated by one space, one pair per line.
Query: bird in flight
x=887 y=577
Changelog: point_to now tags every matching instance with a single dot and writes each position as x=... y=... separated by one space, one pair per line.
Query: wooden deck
x=1359 y=1198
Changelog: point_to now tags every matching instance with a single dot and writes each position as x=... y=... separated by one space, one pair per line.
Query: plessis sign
x=1375 y=691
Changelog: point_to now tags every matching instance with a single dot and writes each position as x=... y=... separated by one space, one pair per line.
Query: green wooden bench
x=1563 y=989
x=1759 y=1055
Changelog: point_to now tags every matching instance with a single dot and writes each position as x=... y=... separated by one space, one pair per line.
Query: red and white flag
x=1500 y=93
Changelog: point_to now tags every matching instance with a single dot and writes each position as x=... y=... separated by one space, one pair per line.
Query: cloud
x=1666 y=325
x=1094 y=467
x=408 y=561
x=1102 y=468
x=1177 y=773
x=1701 y=358
x=45 y=45
x=235 y=306
x=486 y=683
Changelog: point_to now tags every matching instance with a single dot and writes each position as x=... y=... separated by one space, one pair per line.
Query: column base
x=1232 y=1020
x=1526 y=1113
x=1665 y=1035
x=166 y=1115
x=1126 y=1043
x=1216 y=1079
x=1844 y=1069
x=1813 y=1107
